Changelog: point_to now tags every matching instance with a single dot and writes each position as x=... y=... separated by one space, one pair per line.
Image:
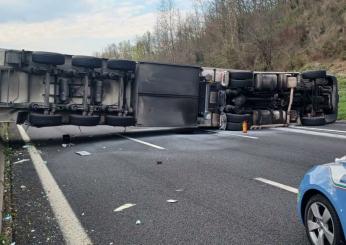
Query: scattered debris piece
x=138 y=222
x=103 y=147
x=13 y=243
x=83 y=214
x=23 y=187
x=172 y=201
x=179 y=190
x=64 y=145
x=125 y=206
x=32 y=231
x=7 y=217
x=25 y=146
x=159 y=162
x=21 y=161
x=83 y=153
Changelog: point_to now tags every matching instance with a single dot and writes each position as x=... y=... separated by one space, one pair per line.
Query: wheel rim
x=320 y=224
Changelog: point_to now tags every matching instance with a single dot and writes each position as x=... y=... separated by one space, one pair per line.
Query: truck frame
x=50 y=89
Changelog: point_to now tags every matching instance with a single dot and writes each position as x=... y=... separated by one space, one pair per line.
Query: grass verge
x=8 y=214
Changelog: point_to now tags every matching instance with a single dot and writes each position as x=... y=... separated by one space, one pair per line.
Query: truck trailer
x=45 y=89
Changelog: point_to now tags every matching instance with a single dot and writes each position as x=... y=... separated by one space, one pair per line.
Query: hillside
x=255 y=35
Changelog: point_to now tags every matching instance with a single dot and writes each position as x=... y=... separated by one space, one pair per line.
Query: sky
x=75 y=26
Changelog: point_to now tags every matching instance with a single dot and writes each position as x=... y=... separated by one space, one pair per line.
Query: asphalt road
x=219 y=202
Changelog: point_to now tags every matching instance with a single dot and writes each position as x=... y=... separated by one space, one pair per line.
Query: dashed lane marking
x=142 y=142
x=278 y=185
x=226 y=133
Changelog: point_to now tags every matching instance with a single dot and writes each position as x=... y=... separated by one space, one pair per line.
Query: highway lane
x=219 y=202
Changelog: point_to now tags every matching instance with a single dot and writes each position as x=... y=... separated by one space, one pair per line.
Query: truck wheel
x=87 y=62
x=123 y=65
x=80 y=120
x=322 y=222
x=234 y=83
x=313 y=121
x=331 y=118
x=48 y=58
x=236 y=118
x=120 y=121
x=241 y=75
x=234 y=126
x=40 y=120
x=314 y=74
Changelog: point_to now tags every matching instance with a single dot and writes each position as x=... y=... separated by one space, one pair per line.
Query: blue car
x=322 y=203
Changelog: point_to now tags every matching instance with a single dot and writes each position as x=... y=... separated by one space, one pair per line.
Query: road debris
x=123 y=207
x=23 y=187
x=179 y=190
x=83 y=214
x=83 y=153
x=21 y=161
x=32 y=231
x=172 y=201
x=25 y=146
x=159 y=162
x=7 y=217
x=138 y=222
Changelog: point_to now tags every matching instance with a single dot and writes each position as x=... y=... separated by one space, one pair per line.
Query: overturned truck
x=49 y=89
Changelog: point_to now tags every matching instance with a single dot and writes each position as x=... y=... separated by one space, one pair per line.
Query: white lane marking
x=321 y=129
x=278 y=185
x=70 y=226
x=301 y=131
x=142 y=142
x=225 y=133
x=123 y=207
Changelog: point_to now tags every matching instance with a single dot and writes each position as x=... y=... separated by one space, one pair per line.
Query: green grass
x=342 y=94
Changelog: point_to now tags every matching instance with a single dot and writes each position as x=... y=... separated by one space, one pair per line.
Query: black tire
x=231 y=126
x=48 y=58
x=335 y=94
x=234 y=83
x=314 y=74
x=339 y=238
x=80 y=120
x=87 y=62
x=241 y=75
x=122 y=65
x=237 y=118
x=120 y=121
x=313 y=121
x=40 y=120
x=331 y=118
